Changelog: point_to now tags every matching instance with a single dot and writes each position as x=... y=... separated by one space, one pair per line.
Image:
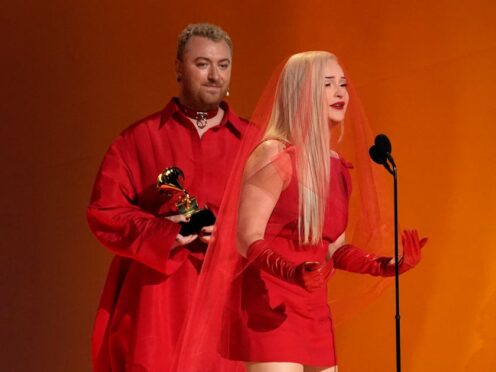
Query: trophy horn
x=169 y=180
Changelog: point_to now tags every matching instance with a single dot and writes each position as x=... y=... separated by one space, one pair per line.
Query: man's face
x=204 y=73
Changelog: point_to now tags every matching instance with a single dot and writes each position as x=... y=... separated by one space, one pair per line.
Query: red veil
x=207 y=332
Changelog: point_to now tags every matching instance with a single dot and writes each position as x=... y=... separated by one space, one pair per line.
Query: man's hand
x=180 y=239
x=184 y=240
x=206 y=233
x=177 y=218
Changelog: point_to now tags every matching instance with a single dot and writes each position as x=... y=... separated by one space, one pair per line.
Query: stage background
x=75 y=73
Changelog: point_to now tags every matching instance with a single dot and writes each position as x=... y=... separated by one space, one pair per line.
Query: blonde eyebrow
x=209 y=60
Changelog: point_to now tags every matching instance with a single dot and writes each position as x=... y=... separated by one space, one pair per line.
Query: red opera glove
x=411 y=250
x=353 y=259
x=316 y=274
x=309 y=275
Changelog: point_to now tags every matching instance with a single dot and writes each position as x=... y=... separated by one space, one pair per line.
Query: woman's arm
x=335 y=245
x=267 y=173
x=350 y=258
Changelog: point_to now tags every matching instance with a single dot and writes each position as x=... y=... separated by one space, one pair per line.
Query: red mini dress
x=272 y=320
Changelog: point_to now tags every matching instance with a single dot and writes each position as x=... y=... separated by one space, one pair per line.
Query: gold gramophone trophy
x=169 y=184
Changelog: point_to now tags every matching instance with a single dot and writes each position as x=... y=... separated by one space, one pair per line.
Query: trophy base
x=203 y=218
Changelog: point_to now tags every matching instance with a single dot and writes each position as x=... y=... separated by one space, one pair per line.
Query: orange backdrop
x=75 y=73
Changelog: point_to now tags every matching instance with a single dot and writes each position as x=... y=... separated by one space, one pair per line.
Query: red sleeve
x=122 y=226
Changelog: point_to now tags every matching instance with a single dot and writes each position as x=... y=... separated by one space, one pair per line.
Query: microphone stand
x=380 y=153
x=396 y=264
x=394 y=173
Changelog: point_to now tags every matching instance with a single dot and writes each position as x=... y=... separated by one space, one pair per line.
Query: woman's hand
x=411 y=250
x=314 y=275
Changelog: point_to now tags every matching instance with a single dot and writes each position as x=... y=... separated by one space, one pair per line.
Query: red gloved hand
x=315 y=275
x=353 y=259
x=309 y=275
x=411 y=251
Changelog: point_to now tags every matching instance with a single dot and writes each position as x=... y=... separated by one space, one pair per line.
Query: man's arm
x=122 y=226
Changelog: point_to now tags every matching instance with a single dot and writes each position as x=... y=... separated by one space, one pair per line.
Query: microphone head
x=383 y=144
x=378 y=155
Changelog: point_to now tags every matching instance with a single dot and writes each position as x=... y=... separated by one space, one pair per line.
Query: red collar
x=201 y=117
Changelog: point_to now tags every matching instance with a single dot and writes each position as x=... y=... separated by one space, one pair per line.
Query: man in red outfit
x=155 y=269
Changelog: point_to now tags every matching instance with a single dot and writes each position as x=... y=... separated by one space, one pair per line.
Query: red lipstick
x=338 y=105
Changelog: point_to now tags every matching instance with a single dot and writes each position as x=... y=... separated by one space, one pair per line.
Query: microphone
x=380 y=152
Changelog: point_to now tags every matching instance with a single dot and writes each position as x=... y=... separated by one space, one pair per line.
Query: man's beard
x=208 y=100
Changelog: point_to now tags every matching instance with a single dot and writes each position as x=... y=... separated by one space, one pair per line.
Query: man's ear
x=178 y=67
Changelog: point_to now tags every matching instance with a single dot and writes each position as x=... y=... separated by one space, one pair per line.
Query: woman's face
x=336 y=92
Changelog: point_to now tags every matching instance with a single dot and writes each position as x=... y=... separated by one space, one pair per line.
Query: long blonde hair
x=299 y=116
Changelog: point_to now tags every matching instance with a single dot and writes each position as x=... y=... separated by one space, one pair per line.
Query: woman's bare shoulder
x=268 y=151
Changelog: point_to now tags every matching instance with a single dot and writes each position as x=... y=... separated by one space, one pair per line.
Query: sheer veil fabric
x=209 y=327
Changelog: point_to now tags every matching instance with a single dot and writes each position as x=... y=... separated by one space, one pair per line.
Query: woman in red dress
x=292 y=217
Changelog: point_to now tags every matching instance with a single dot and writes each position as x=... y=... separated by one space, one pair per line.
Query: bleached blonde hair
x=299 y=116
